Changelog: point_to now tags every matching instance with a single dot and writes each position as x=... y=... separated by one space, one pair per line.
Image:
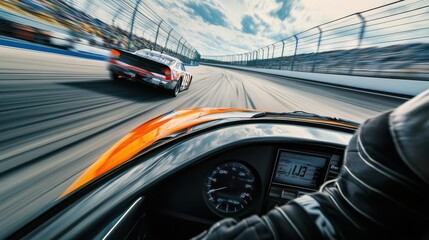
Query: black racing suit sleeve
x=375 y=197
x=274 y=225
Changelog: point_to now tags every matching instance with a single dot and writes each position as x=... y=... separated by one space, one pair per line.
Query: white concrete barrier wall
x=387 y=85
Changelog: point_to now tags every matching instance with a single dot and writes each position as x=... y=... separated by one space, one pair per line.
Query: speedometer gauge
x=229 y=188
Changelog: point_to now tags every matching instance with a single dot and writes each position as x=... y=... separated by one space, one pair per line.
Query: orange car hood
x=148 y=133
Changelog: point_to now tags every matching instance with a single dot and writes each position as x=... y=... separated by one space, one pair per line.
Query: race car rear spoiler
x=139 y=62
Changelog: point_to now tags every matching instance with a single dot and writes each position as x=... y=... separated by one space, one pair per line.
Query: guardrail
x=387 y=41
x=75 y=24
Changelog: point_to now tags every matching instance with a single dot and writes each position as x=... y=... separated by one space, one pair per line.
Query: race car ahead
x=179 y=173
x=150 y=67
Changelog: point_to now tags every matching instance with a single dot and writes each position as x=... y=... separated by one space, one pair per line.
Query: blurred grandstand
x=387 y=41
x=405 y=61
x=64 y=24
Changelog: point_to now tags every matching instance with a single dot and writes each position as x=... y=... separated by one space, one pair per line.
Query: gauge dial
x=229 y=188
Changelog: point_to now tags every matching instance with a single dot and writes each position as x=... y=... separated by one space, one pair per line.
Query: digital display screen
x=299 y=169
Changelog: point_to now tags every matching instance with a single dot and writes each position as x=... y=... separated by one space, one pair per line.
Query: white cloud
x=216 y=39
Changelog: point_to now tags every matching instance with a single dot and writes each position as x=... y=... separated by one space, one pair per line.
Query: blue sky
x=235 y=26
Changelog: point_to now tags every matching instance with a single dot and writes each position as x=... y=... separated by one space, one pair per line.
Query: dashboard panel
x=280 y=173
x=300 y=172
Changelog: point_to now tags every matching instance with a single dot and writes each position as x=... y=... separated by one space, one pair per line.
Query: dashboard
x=183 y=185
x=245 y=180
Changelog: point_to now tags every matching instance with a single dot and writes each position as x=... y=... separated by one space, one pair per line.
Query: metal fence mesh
x=387 y=41
x=124 y=24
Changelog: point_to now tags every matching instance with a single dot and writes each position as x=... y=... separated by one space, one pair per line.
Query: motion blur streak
x=58 y=115
x=92 y=26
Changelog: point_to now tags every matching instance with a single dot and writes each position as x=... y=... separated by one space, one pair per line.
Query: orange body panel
x=146 y=134
x=160 y=127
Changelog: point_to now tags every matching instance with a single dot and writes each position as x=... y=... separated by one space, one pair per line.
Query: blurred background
x=90 y=26
x=386 y=41
x=391 y=40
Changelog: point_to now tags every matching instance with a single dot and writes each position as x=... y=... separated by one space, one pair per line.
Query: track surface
x=58 y=114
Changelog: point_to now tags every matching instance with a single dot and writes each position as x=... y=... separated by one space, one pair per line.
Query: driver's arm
x=382 y=191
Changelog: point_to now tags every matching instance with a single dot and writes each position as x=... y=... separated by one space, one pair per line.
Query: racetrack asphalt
x=58 y=114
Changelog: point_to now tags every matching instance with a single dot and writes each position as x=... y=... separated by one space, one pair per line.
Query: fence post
x=178 y=44
x=281 y=57
x=133 y=18
x=318 y=47
x=117 y=13
x=296 y=48
x=274 y=47
x=181 y=50
x=361 y=34
x=186 y=53
x=268 y=52
x=166 y=41
x=362 y=28
x=272 y=55
x=156 y=36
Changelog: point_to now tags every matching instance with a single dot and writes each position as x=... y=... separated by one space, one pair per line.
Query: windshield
x=66 y=98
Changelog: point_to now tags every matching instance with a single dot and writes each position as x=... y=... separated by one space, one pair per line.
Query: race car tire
x=176 y=89
x=189 y=84
x=114 y=76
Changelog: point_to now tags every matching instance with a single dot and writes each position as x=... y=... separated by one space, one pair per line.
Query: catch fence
x=387 y=41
